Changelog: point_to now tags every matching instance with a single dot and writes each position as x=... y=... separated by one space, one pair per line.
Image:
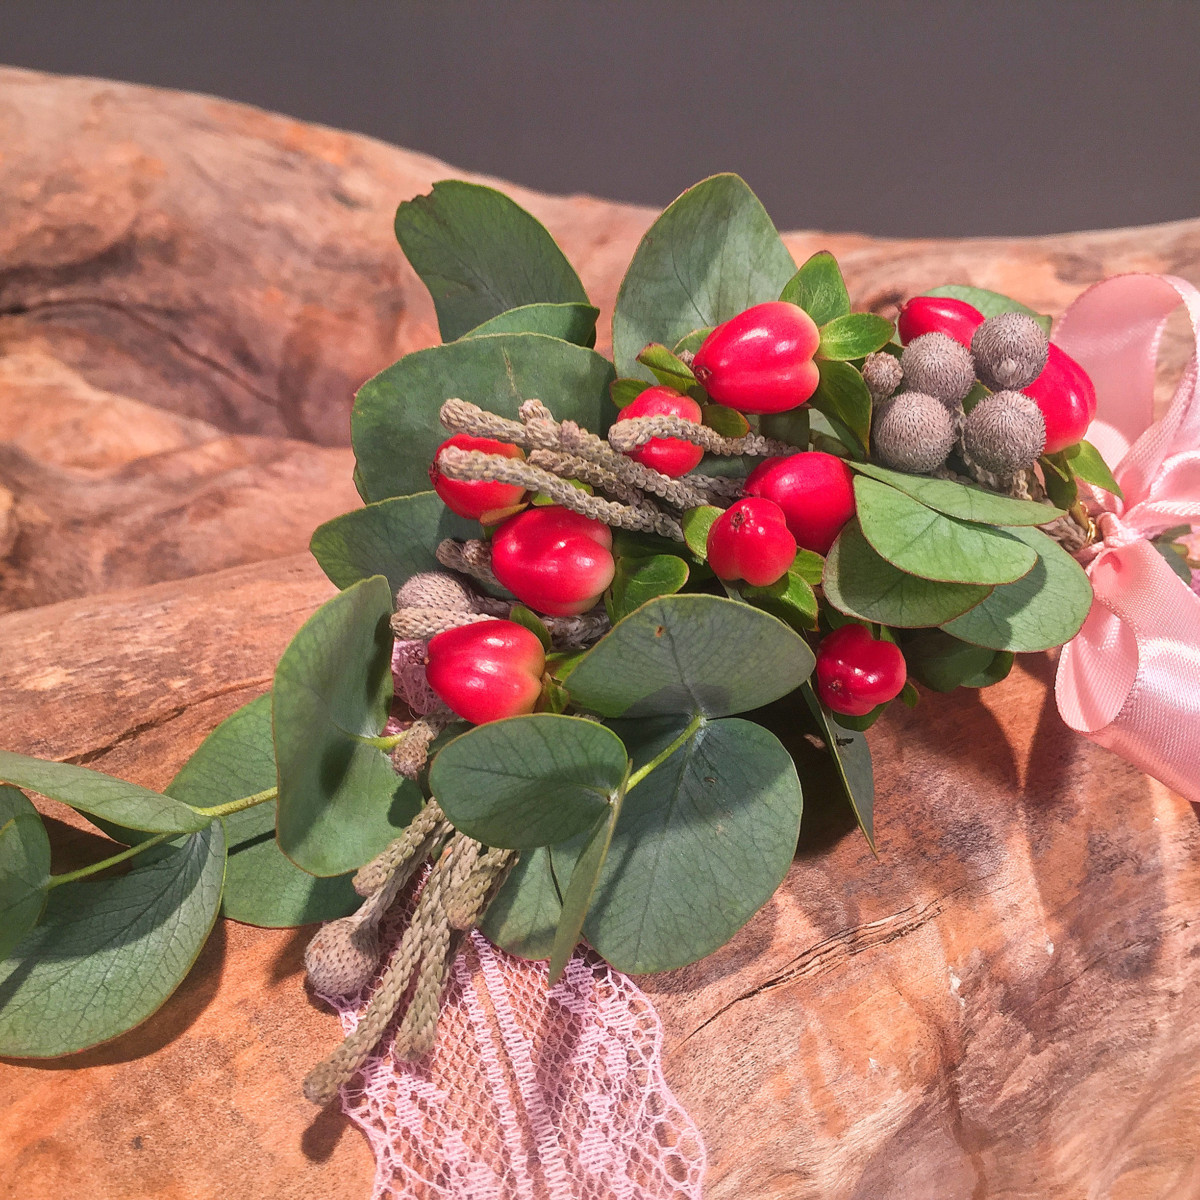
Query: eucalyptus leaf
x=819 y=289
x=860 y=584
x=340 y=800
x=395 y=427
x=528 y=781
x=696 y=524
x=842 y=397
x=568 y=322
x=942 y=662
x=691 y=653
x=1043 y=610
x=854 y=335
x=626 y=391
x=852 y=758
x=994 y=672
x=923 y=542
x=109 y=952
x=1088 y=465
x=577 y=896
x=791 y=427
x=24 y=868
x=711 y=255
x=524 y=915
x=991 y=304
x=639 y=579
x=480 y=254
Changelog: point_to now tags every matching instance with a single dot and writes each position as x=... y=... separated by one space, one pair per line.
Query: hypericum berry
x=1005 y=433
x=1010 y=351
x=751 y=541
x=913 y=432
x=761 y=361
x=815 y=491
x=557 y=561
x=938 y=314
x=1067 y=397
x=488 y=670
x=671 y=456
x=856 y=672
x=882 y=374
x=478 y=499
x=937 y=365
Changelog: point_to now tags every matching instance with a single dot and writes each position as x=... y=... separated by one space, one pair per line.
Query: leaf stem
x=225 y=810
x=385 y=743
x=103 y=865
x=660 y=758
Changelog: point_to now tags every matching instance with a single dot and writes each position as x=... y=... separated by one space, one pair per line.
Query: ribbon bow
x=1130 y=680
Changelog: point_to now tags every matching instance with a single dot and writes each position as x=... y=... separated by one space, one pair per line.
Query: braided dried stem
x=412 y=753
x=404 y=851
x=637 y=431
x=412 y=624
x=570 y=466
x=472 y=557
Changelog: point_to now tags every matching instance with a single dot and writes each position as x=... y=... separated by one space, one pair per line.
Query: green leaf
x=791 y=427
x=262 y=886
x=1041 y=611
x=109 y=952
x=524 y=915
x=728 y=422
x=669 y=370
x=395 y=427
x=791 y=598
x=923 y=542
x=942 y=662
x=965 y=501
x=24 y=868
x=100 y=795
x=340 y=800
x=854 y=336
x=852 y=758
x=1088 y=465
x=577 y=896
x=696 y=524
x=568 y=322
x=395 y=538
x=481 y=254
x=909 y=696
x=690 y=654
x=711 y=255
x=996 y=670
x=700 y=845
x=861 y=584
x=640 y=579
x=521 y=615
x=1060 y=479
x=1176 y=558
x=626 y=391
x=842 y=397
x=819 y=289
x=528 y=781
x=991 y=304
x=691 y=342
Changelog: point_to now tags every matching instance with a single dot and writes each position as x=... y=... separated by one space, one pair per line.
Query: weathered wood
x=1004 y=1005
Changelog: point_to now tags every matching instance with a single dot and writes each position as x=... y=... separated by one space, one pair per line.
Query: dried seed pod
x=882 y=374
x=913 y=432
x=1005 y=433
x=343 y=956
x=436 y=589
x=938 y=366
x=1010 y=351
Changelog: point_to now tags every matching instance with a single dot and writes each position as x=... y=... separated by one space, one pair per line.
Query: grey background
x=907 y=119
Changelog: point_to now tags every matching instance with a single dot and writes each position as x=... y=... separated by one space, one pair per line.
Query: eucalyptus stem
x=96 y=868
x=385 y=743
x=235 y=806
x=662 y=756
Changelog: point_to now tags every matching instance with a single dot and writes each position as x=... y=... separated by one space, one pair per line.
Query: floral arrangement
x=583 y=682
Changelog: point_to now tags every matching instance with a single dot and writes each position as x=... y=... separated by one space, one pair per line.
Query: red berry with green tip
x=939 y=314
x=856 y=672
x=478 y=499
x=671 y=456
x=1067 y=397
x=556 y=561
x=751 y=541
x=815 y=491
x=761 y=361
x=487 y=671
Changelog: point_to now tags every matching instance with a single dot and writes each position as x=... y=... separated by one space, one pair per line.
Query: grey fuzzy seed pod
x=882 y=375
x=938 y=366
x=343 y=956
x=1010 y=351
x=1005 y=433
x=913 y=432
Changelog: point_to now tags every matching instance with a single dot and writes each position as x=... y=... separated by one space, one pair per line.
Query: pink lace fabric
x=531 y=1092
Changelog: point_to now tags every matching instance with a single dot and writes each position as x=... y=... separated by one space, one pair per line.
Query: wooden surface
x=1004 y=1006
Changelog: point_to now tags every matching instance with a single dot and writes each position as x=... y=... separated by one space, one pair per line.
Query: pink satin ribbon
x=1130 y=680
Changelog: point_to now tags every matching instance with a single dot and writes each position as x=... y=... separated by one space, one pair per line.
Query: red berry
x=557 y=561
x=939 y=314
x=671 y=456
x=815 y=491
x=751 y=541
x=855 y=672
x=761 y=361
x=478 y=499
x=487 y=671
x=1067 y=397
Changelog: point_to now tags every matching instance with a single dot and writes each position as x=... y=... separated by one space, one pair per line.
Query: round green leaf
x=108 y=953
x=524 y=915
x=528 y=781
x=923 y=542
x=942 y=662
x=395 y=427
x=262 y=886
x=1043 y=610
x=340 y=800
x=24 y=867
x=711 y=255
x=480 y=254
x=700 y=845
x=569 y=322
x=690 y=654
